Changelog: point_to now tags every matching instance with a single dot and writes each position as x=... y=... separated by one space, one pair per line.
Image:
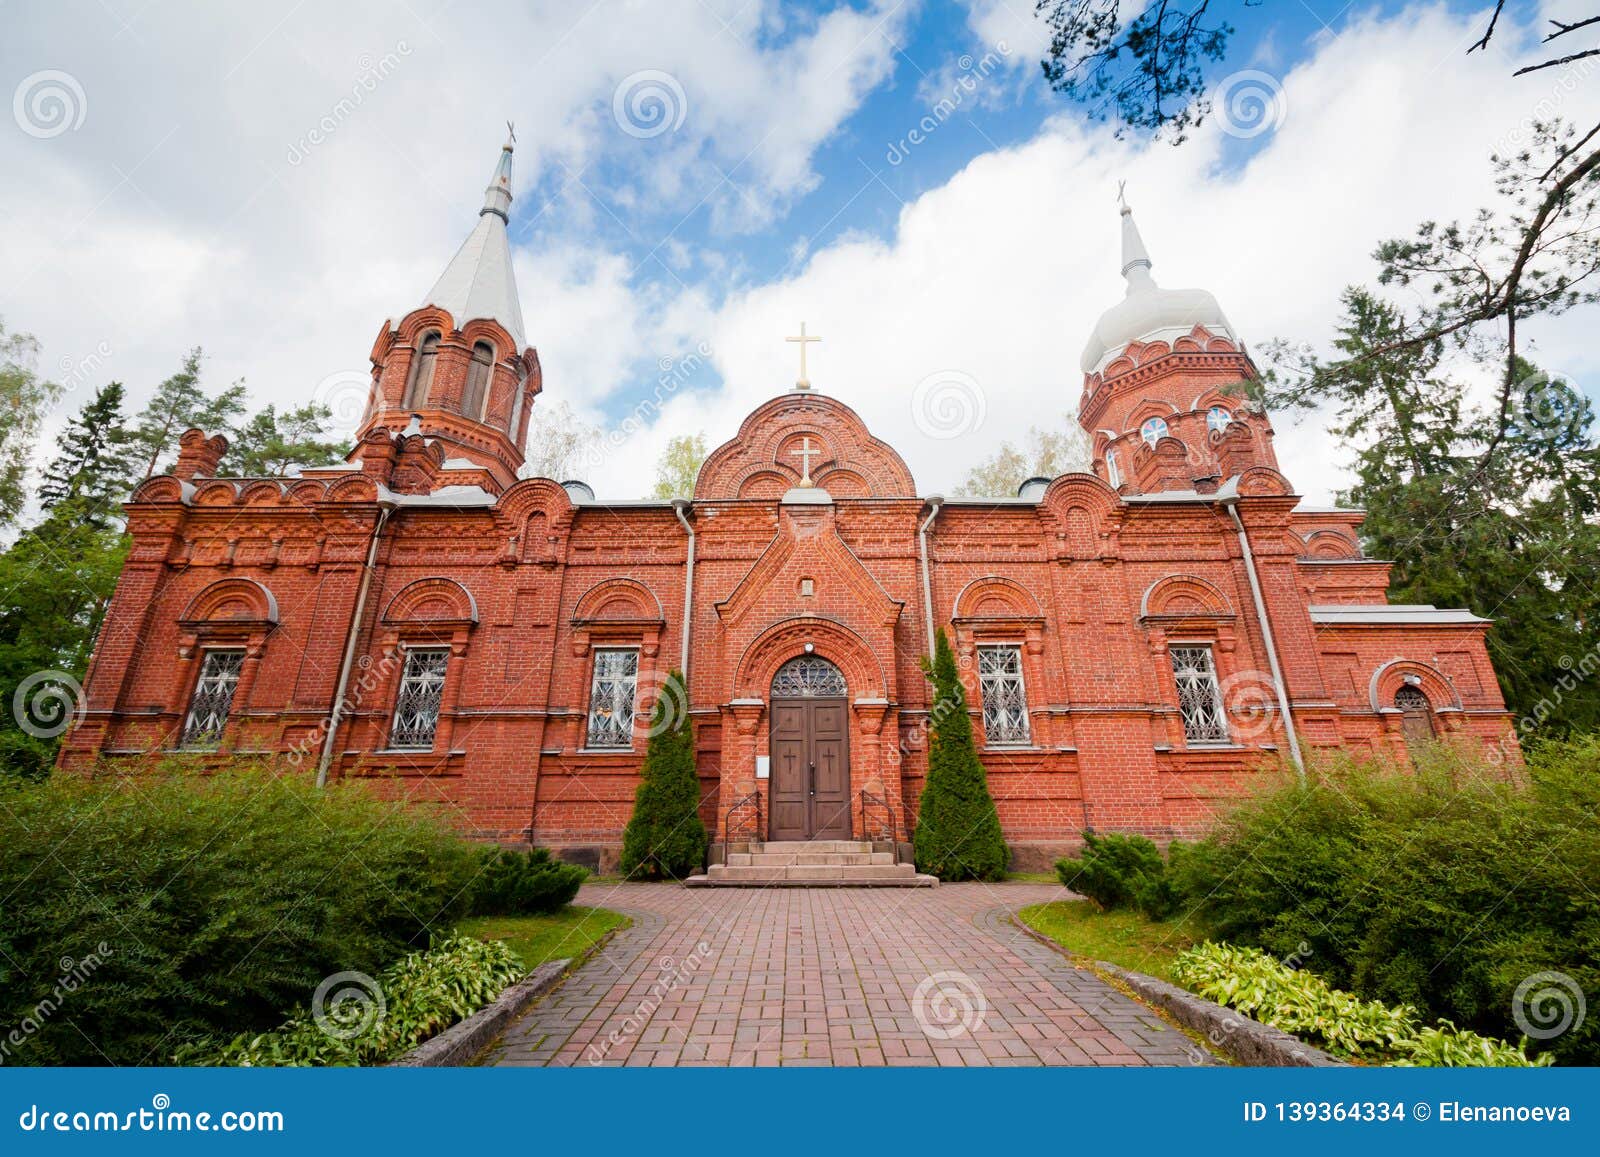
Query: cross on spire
x=802 y=383
x=806 y=451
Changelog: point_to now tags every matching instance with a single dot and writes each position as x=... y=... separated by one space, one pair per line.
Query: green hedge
x=142 y=914
x=1456 y=890
x=525 y=883
x=1117 y=871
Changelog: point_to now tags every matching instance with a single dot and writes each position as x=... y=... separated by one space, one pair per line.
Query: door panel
x=790 y=790
x=810 y=787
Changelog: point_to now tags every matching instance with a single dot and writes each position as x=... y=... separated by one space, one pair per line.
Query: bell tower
x=1162 y=400
x=456 y=372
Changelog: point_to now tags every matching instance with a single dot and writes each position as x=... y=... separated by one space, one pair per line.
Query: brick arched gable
x=732 y=469
x=1183 y=596
x=618 y=599
x=434 y=601
x=233 y=601
x=1431 y=681
x=863 y=673
x=996 y=597
x=1330 y=544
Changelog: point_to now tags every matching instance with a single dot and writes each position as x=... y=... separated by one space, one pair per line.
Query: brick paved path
x=834 y=976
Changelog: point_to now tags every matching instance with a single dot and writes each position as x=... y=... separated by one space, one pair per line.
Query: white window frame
x=193 y=738
x=1150 y=424
x=601 y=734
x=1195 y=700
x=410 y=680
x=1113 y=471
x=1215 y=426
x=992 y=709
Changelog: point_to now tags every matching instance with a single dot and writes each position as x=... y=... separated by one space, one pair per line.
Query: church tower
x=1163 y=399
x=454 y=380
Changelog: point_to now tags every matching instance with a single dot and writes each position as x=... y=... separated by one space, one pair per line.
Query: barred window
x=212 y=698
x=1199 y=696
x=808 y=677
x=1005 y=699
x=416 y=711
x=611 y=697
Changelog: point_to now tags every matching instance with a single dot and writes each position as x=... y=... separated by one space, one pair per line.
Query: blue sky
x=273 y=181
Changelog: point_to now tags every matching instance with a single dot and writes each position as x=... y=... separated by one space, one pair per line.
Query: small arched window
x=478 y=374
x=1153 y=430
x=1113 y=471
x=1217 y=419
x=422 y=370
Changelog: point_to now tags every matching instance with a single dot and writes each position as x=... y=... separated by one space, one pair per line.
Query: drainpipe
x=936 y=501
x=1232 y=505
x=679 y=505
x=336 y=715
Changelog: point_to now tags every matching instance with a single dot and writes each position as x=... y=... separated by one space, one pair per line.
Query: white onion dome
x=1148 y=312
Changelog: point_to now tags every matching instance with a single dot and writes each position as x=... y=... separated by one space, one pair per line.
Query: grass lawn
x=573 y=932
x=1122 y=938
x=1032 y=878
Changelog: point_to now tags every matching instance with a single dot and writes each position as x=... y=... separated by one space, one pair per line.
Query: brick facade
x=427 y=539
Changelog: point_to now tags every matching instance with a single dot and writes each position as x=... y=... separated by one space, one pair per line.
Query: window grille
x=213 y=698
x=611 y=697
x=416 y=711
x=1005 y=700
x=1199 y=695
x=808 y=677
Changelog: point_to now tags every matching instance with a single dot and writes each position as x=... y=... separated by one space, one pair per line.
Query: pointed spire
x=1135 y=257
x=478 y=282
x=497 y=197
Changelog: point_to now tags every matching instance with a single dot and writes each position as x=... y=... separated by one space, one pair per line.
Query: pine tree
x=180 y=403
x=91 y=464
x=958 y=830
x=665 y=836
x=270 y=442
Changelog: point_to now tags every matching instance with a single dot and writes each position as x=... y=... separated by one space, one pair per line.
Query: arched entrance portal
x=810 y=749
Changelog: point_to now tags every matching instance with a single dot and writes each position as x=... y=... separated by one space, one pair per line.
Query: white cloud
x=1000 y=273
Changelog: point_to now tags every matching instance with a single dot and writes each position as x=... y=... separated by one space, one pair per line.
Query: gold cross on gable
x=802 y=383
x=805 y=454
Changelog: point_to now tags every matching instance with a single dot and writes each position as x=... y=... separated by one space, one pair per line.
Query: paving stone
x=834 y=976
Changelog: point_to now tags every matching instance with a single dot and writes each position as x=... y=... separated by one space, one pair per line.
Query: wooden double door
x=810 y=787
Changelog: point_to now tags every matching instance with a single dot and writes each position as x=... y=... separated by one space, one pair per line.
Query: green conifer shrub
x=665 y=838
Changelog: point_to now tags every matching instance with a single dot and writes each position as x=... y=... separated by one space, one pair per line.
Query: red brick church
x=1134 y=640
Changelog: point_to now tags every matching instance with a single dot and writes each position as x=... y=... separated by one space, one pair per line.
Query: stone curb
x=464 y=1040
x=1245 y=1040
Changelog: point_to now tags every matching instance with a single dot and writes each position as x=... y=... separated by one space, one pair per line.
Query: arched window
x=478 y=373
x=1416 y=720
x=1153 y=430
x=1217 y=419
x=808 y=677
x=422 y=370
x=1113 y=471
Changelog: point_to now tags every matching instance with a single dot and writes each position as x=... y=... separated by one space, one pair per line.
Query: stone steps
x=811 y=864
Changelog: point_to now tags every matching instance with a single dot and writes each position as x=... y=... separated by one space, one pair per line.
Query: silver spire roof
x=1148 y=312
x=478 y=282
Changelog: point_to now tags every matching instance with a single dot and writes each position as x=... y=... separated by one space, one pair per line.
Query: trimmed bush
x=958 y=831
x=142 y=913
x=530 y=883
x=1298 y=1002
x=1450 y=889
x=665 y=837
x=1117 y=871
x=367 y=1020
